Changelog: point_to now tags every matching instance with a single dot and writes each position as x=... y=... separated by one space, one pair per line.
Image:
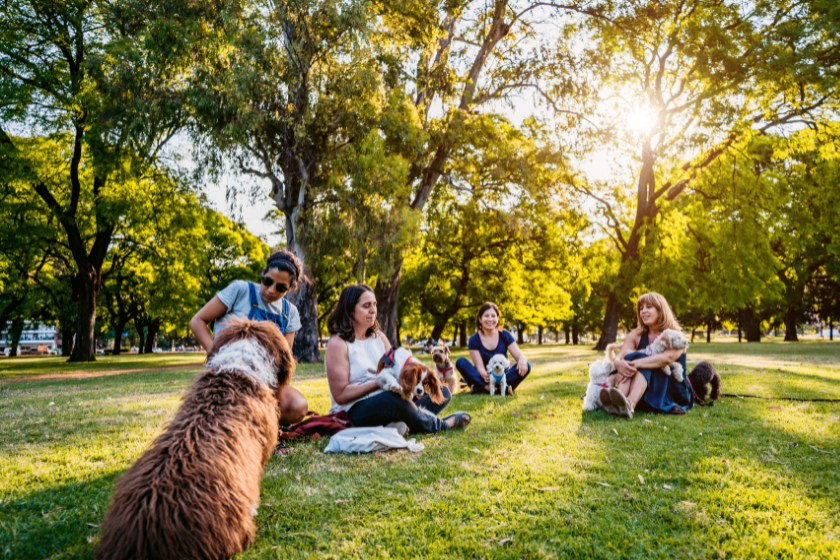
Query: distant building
x=35 y=337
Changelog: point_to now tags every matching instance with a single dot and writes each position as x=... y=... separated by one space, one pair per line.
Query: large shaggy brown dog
x=194 y=494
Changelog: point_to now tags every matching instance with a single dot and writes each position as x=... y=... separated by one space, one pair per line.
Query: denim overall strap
x=259 y=314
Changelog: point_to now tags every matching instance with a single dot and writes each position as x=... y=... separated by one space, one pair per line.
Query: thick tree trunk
x=612 y=315
x=66 y=338
x=575 y=332
x=463 y=338
x=708 y=333
x=693 y=332
x=84 y=350
x=740 y=316
x=118 y=330
x=790 y=324
x=830 y=328
x=437 y=332
x=14 y=336
x=752 y=326
x=305 y=298
x=539 y=334
x=556 y=336
x=566 y=330
x=520 y=334
x=387 y=293
x=151 y=337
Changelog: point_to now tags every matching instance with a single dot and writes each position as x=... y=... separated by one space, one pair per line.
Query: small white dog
x=599 y=373
x=668 y=340
x=497 y=365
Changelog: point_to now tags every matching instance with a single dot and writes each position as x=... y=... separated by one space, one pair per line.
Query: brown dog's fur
x=440 y=356
x=412 y=375
x=192 y=495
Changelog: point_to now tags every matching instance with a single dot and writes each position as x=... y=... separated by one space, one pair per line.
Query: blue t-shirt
x=505 y=340
x=237 y=299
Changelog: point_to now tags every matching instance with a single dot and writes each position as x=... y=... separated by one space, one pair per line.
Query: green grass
x=745 y=479
x=25 y=366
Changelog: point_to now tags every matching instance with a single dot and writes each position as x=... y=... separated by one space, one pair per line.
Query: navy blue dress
x=663 y=392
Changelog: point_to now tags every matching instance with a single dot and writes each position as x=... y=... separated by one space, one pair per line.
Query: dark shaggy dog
x=704 y=374
x=195 y=492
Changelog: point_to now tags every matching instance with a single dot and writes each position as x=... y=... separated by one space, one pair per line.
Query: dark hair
x=482 y=309
x=285 y=261
x=340 y=321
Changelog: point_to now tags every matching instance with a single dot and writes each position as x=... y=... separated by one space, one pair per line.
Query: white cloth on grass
x=366 y=440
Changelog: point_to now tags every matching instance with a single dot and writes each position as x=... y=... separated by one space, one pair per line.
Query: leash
x=778 y=398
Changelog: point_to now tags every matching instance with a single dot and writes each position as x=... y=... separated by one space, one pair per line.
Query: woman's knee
x=293 y=407
x=462 y=364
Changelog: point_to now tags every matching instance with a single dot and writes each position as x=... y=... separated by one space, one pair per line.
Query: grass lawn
x=16 y=368
x=532 y=477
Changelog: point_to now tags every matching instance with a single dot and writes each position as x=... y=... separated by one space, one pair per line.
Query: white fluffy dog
x=497 y=365
x=668 y=340
x=599 y=373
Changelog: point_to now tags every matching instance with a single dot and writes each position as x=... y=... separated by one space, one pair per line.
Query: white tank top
x=363 y=355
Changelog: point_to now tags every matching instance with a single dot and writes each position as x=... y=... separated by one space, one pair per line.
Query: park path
x=87 y=374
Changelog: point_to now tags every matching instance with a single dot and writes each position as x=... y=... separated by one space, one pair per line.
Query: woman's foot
x=458 y=420
x=607 y=403
x=625 y=409
x=401 y=427
x=676 y=410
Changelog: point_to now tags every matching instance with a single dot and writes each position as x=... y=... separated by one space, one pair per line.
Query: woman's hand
x=522 y=365
x=485 y=375
x=625 y=369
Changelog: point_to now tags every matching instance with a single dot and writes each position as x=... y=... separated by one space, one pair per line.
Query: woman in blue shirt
x=261 y=302
x=490 y=340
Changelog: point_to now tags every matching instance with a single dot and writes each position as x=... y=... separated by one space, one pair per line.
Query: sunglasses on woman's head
x=280 y=288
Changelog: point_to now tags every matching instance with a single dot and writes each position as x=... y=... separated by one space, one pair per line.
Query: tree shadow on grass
x=61 y=521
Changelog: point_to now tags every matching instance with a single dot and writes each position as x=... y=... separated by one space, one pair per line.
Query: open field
x=746 y=479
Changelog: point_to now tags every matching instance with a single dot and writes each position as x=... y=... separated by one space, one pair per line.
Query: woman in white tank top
x=353 y=353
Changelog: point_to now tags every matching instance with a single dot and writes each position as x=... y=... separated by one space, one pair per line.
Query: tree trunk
x=830 y=328
x=752 y=326
x=575 y=332
x=740 y=314
x=693 y=331
x=566 y=330
x=463 y=340
x=708 y=333
x=84 y=350
x=539 y=334
x=437 y=332
x=66 y=338
x=387 y=296
x=520 y=334
x=557 y=336
x=151 y=337
x=141 y=346
x=118 y=330
x=14 y=335
x=305 y=298
x=790 y=324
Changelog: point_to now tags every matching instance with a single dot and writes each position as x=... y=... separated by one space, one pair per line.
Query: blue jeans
x=473 y=378
x=387 y=407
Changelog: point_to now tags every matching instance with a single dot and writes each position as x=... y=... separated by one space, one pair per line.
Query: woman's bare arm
x=337 y=361
x=475 y=356
x=627 y=369
x=521 y=360
x=658 y=360
x=200 y=322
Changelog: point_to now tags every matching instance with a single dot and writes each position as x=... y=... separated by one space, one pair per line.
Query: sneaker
x=401 y=427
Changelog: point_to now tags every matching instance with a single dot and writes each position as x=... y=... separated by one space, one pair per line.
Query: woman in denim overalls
x=261 y=302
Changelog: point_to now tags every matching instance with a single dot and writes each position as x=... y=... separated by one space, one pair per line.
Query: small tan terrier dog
x=444 y=368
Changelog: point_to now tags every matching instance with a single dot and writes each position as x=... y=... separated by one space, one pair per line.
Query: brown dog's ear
x=409 y=377
x=432 y=385
x=446 y=348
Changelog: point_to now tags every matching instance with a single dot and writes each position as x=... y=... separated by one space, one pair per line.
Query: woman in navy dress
x=640 y=383
x=489 y=340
